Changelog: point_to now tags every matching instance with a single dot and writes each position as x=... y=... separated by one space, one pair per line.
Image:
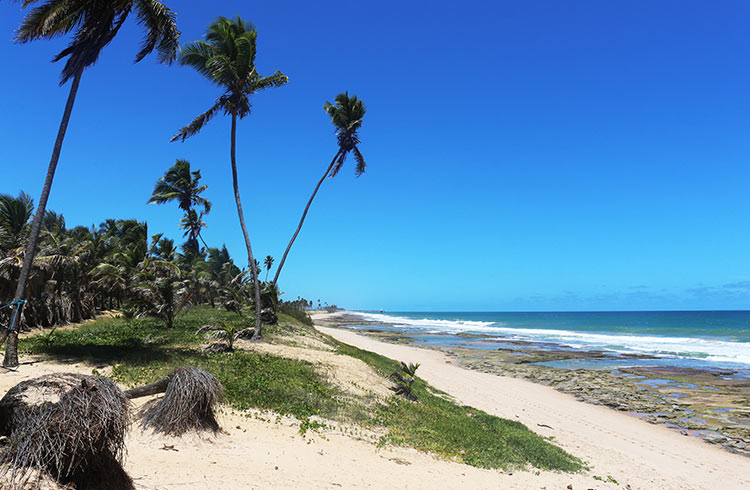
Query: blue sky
x=522 y=155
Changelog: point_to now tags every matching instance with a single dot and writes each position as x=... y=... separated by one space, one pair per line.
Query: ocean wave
x=718 y=351
x=432 y=326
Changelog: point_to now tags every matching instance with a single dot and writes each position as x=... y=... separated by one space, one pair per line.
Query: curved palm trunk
x=250 y=258
x=11 y=349
x=202 y=240
x=302 y=220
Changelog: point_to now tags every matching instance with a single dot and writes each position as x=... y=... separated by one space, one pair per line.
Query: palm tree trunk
x=302 y=220
x=250 y=258
x=11 y=349
x=203 y=241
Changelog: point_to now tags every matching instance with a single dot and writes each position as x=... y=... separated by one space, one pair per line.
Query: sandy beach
x=634 y=452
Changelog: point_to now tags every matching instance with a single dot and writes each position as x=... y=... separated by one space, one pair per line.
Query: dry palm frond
x=188 y=403
x=68 y=426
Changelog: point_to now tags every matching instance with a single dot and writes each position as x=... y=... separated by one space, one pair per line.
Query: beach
x=689 y=371
x=633 y=451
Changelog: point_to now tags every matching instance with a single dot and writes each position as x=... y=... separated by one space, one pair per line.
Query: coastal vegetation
x=143 y=351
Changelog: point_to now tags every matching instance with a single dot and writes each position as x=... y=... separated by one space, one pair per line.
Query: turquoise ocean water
x=701 y=339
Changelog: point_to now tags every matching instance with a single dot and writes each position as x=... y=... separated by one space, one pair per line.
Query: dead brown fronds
x=188 y=403
x=72 y=432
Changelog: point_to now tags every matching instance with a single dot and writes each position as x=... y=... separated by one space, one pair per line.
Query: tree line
x=70 y=274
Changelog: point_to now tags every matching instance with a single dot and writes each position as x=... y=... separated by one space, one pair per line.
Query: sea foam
x=712 y=350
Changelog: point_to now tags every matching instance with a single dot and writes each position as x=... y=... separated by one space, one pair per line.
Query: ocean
x=697 y=339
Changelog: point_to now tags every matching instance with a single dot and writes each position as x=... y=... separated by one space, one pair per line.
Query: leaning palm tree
x=346 y=115
x=227 y=58
x=95 y=24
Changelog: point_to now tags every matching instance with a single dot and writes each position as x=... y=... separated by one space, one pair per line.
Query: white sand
x=634 y=452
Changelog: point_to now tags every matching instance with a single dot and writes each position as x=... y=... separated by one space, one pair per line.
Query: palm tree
x=181 y=185
x=14 y=220
x=227 y=58
x=404 y=378
x=221 y=266
x=160 y=291
x=346 y=115
x=193 y=223
x=268 y=263
x=95 y=24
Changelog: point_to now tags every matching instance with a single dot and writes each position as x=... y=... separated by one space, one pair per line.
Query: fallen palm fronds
x=190 y=395
x=68 y=426
x=71 y=427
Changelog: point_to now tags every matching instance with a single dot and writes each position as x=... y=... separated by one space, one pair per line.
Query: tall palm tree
x=95 y=24
x=346 y=115
x=227 y=58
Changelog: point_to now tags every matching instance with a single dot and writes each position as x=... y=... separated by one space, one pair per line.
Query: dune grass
x=472 y=436
x=143 y=351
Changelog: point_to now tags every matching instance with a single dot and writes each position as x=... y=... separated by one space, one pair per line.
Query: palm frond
x=361 y=165
x=278 y=79
x=337 y=166
x=197 y=124
x=196 y=56
x=245 y=49
x=161 y=30
x=53 y=18
x=99 y=26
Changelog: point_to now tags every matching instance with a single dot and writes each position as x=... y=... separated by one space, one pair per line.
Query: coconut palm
x=160 y=291
x=404 y=378
x=221 y=266
x=268 y=262
x=181 y=185
x=225 y=330
x=95 y=24
x=227 y=58
x=193 y=223
x=346 y=115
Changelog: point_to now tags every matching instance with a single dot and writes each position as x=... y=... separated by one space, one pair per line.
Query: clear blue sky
x=525 y=155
